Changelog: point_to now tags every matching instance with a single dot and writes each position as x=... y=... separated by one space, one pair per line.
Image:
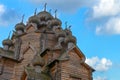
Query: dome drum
x=6 y=47
x=20 y=31
x=70 y=45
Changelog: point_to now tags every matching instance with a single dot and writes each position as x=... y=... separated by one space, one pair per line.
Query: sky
x=95 y=23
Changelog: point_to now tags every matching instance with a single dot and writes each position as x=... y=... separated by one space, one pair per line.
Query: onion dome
x=44 y=16
x=34 y=19
x=60 y=33
x=7 y=42
x=56 y=22
x=38 y=60
x=70 y=38
x=20 y=26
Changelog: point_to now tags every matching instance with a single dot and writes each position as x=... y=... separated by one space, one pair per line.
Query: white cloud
x=2 y=9
x=7 y=15
x=105 y=17
x=99 y=64
x=100 y=78
x=111 y=27
x=106 y=8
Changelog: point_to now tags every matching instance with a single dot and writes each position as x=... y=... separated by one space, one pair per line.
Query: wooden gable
x=75 y=68
x=30 y=28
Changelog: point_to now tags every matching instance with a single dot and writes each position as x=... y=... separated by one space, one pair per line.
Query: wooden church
x=42 y=50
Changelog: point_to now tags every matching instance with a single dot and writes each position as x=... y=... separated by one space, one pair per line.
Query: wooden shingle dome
x=44 y=16
x=20 y=26
x=7 y=42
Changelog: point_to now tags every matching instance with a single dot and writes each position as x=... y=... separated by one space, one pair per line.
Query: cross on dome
x=35 y=11
x=45 y=6
x=66 y=24
x=56 y=13
x=22 y=18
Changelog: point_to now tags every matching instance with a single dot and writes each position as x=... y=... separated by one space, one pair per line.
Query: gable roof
x=77 y=51
x=80 y=54
x=88 y=67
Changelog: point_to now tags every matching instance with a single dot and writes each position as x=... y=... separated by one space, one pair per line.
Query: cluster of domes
x=53 y=21
x=44 y=18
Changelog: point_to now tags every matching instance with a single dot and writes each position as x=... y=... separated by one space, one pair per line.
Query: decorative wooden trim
x=80 y=54
x=28 y=47
x=18 y=43
x=31 y=25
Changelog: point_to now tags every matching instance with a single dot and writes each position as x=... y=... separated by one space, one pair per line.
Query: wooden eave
x=88 y=67
x=79 y=53
x=7 y=56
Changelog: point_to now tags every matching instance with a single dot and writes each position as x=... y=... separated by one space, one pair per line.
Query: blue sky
x=96 y=25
